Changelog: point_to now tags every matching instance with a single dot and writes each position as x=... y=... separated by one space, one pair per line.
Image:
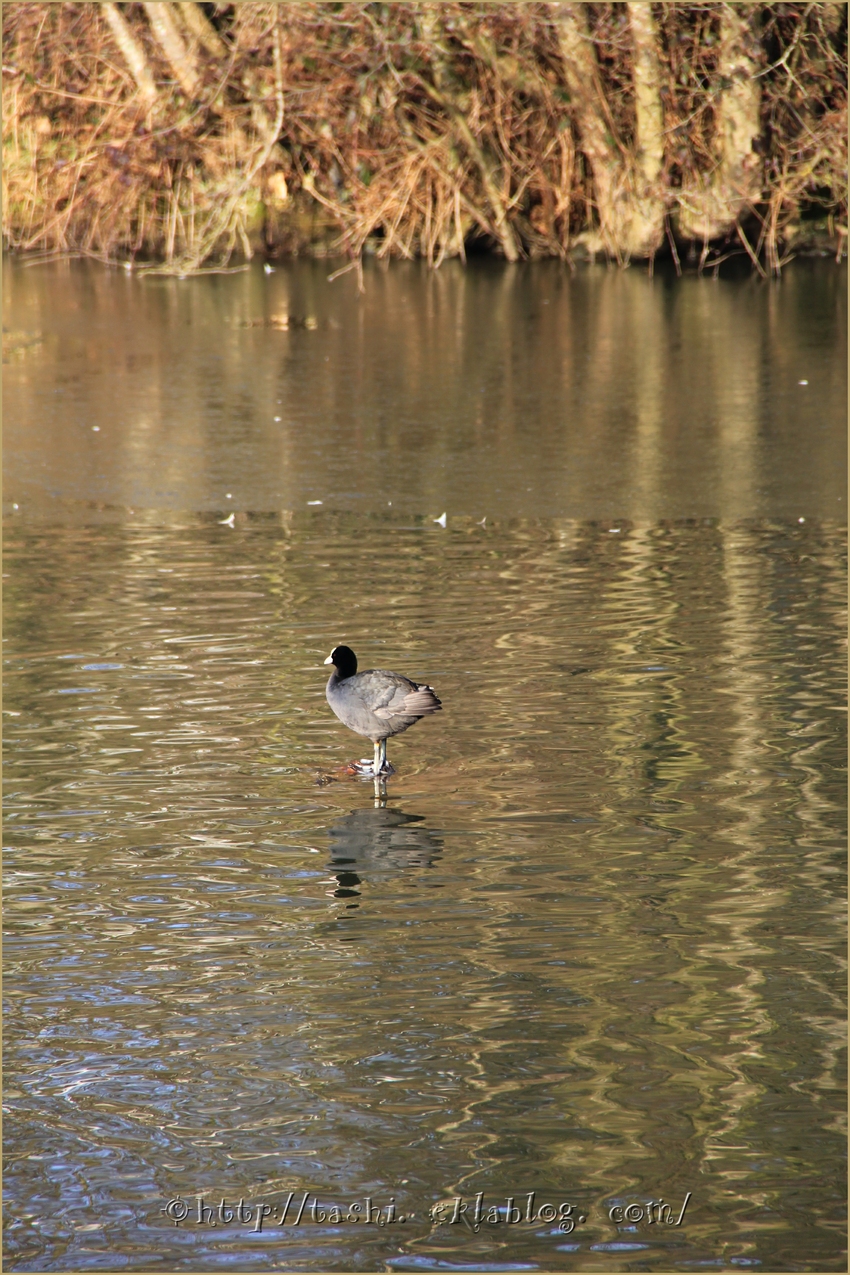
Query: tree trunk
x=132 y=51
x=201 y=28
x=649 y=156
x=711 y=204
x=164 y=27
x=627 y=184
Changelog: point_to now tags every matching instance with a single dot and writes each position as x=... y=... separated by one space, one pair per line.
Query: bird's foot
x=366 y=766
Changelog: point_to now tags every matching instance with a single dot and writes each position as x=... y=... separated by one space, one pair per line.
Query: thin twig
x=672 y=243
x=748 y=247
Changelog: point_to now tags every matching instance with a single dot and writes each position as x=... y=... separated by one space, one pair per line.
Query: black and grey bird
x=375 y=703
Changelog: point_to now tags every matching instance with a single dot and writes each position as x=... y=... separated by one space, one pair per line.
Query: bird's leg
x=377 y=764
x=385 y=767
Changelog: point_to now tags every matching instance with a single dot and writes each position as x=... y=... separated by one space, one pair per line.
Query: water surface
x=491 y=391
x=588 y=944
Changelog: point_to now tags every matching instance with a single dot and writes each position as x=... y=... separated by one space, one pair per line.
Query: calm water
x=589 y=942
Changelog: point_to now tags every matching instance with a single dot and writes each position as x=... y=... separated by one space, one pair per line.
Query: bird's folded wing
x=413 y=703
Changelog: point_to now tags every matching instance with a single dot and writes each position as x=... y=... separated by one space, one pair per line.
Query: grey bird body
x=376 y=703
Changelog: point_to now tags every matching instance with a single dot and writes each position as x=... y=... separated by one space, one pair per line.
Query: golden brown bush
x=183 y=132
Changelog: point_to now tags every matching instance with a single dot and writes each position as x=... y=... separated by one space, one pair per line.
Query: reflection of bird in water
x=375 y=703
x=378 y=843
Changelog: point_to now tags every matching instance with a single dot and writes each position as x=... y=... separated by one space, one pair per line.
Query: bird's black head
x=344 y=660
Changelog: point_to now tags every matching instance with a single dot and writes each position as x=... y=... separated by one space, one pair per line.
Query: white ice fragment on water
x=227 y=522
x=14 y=506
x=277 y=418
x=613 y=531
x=95 y=429
x=802 y=382
x=799 y=519
x=314 y=502
x=228 y=495
x=441 y=521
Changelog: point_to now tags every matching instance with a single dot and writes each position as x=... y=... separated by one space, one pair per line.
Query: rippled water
x=589 y=942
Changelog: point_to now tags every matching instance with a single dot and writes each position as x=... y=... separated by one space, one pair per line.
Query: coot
x=375 y=703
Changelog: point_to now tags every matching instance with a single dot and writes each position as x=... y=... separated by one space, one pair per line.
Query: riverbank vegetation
x=183 y=133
